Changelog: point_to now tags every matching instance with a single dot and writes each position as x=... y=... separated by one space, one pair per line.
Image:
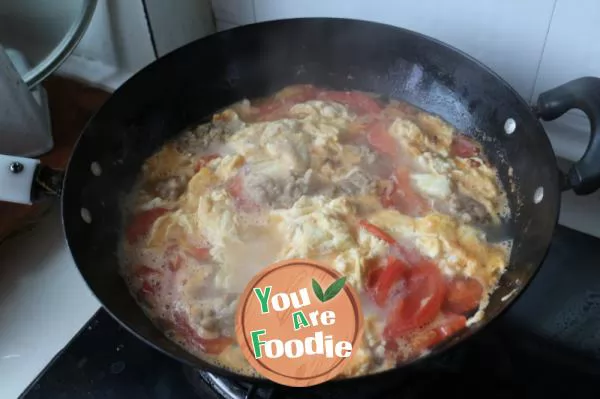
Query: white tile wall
x=237 y=12
x=175 y=23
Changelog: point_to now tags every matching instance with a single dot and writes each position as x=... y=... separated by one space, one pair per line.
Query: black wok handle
x=584 y=94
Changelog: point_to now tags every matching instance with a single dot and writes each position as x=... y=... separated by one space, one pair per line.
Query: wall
x=125 y=36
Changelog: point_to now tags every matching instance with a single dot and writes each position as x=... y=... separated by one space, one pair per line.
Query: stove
x=546 y=345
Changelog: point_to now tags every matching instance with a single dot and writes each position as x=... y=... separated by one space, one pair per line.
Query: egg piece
x=434 y=163
x=315 y=226
x=432 y=185
x=440 y=133
x=350 y=264
x=478 y=181
x=329 y=112
x=226 y=167
x=398 y=225
x=196 y=188
x=167 y=162
x=370 y=246
x=416 y=141
x=162 y=230
x=461 y=250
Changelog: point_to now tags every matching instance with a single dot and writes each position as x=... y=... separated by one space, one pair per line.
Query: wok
x=186 y=86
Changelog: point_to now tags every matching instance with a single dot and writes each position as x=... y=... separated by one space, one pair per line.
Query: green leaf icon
x=317 y=290
x=331 y=291
x=334 y=289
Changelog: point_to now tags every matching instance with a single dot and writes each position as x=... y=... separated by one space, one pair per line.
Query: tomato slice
x=149 y=285
x=143 y=271
x=402 y=196
x=464 y=295
x=175 y=264
x=380 y=139
x=147 y=288
x=360 y=103
x=405 y=198
x=449 y=325
x=212 y=346
x=386 y=279
x=203 y=161
x=142 y=222
x=198 y=253
x=377 y=232
x=463 y=147
x=386 y=196
x=425 y=294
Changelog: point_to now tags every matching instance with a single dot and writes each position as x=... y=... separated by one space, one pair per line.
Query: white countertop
x=44 y=302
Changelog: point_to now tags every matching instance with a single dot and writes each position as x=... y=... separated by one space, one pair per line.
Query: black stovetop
x=546 y=345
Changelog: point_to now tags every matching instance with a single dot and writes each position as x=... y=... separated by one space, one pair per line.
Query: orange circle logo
x=298 y=323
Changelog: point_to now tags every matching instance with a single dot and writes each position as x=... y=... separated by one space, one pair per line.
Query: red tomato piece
x=449 y=325
x=203 y=161
x=387 y=279
x=175 y=264
x=377 y=232
x=142 y=222
x=463 y=147
x=387 y=195
x=212 y=346
x=147 y=288
x=464 y=295
x=198 y=253
x=360 y=103
x=272 y=111
x=380 y=139
x=405 y=198
x=373 y=278
x=143 y=271
x=425 y=294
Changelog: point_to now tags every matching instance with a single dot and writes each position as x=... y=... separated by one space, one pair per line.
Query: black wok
x=188 y=85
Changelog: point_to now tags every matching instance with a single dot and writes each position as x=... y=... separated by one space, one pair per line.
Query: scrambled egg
x=429 y=147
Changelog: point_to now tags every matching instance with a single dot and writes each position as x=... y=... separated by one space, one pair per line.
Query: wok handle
x=584 y=94
x=25 y=180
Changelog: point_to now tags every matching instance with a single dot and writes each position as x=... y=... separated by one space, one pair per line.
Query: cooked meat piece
x=198 y=139
x=262 y=189
x=468 y=209
x=171 y=188
x=279 y=193
x=356 y=182
x=204 y=320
